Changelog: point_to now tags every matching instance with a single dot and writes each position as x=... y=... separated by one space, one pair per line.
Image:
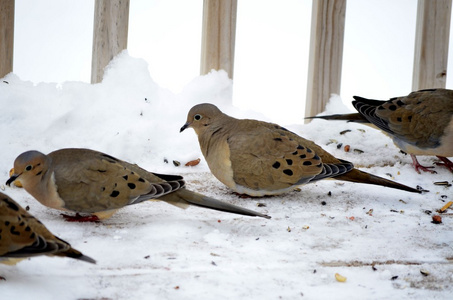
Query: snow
x=379 y=238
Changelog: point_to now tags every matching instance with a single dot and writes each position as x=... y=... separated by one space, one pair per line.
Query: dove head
x=201 y=116
x=30 y=166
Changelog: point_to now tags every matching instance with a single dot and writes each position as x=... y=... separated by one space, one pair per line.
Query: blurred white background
x=53 y=40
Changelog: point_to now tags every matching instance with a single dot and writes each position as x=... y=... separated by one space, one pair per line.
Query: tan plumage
x=87 y=181
x=419 y=124
x=259 y=158
x=22 y=236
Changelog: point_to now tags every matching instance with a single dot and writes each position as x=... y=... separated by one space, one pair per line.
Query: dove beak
x=11 y=179
x=187 y=125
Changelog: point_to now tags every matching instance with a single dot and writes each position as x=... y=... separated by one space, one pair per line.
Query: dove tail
x=187 y=196
x=331 y=170
x=73 y=253
x=362 y=177
x=355 y=117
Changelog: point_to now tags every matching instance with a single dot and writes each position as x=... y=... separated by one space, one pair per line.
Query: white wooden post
x=431 y=44
x=6 y=36
x=326 y=53
x=218 y=36
x=111 y=21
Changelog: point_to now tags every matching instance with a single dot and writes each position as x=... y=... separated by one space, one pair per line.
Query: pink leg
x=419 y=167
x=79 y=218
x=446 y=163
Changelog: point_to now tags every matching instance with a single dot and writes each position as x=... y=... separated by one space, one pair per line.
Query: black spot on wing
x=289 y=162
x=276 y=165
x=13 y=231
x=288 y=172
x=131 y=185
x=11 y=205
x=114 y=194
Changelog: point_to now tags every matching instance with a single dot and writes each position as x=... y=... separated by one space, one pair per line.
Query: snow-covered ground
x=380 y=239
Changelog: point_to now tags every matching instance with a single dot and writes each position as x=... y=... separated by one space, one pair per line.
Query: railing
x=218 y=42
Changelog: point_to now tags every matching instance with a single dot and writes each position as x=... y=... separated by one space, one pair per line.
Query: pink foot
x=419 y=167
x=79 y=218
x=446 y=163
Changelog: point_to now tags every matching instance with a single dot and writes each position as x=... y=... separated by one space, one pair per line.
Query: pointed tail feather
x=362 y=177
x=187 y=196
x=355 y=117
x=73 y=253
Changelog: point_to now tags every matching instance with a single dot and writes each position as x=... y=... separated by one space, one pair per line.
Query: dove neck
x=216 y=132
x=43 y=178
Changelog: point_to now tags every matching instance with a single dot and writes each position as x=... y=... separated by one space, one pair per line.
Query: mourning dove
x=22 y=236
x=87 y=181
x=259 y=158
x=419 y=124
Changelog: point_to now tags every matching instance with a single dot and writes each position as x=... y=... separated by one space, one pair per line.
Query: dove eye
x=197 y=117
x=28 y=168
